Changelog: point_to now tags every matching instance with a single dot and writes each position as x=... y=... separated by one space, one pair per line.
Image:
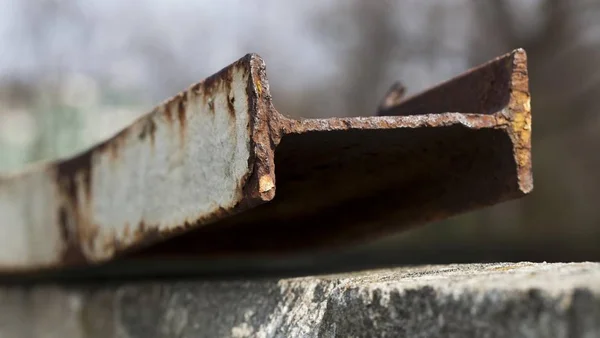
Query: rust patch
x=72 y=176
x=259 y=87
x=72 y=253
x=393 y=97
x=229 y=98
x=519 y=119
x=168 y=114
x=197 y=88
x=63 y=221
x=114 y=150
x=148 y=130
x=231 y=107
x=181 y=106
x=210 y=84
x=66 y=174
x=263 y=131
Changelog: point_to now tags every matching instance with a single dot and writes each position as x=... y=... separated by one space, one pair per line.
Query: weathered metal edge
x=518 y=117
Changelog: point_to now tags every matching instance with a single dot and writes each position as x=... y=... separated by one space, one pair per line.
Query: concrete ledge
x=477 y=300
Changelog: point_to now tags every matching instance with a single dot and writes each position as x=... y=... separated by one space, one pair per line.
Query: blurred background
x=73 y=72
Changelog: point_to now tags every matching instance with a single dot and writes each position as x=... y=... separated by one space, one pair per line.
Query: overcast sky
x=115 y=38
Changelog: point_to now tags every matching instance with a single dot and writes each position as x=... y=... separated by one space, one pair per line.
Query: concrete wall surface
x=473 y=300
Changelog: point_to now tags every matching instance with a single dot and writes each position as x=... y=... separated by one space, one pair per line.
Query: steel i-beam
x=217 y=171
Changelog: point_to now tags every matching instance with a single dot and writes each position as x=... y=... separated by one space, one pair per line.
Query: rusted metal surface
x=217 y=171
x=393 y=97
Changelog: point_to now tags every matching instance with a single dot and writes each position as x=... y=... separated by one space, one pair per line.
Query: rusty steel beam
x=198 y=176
